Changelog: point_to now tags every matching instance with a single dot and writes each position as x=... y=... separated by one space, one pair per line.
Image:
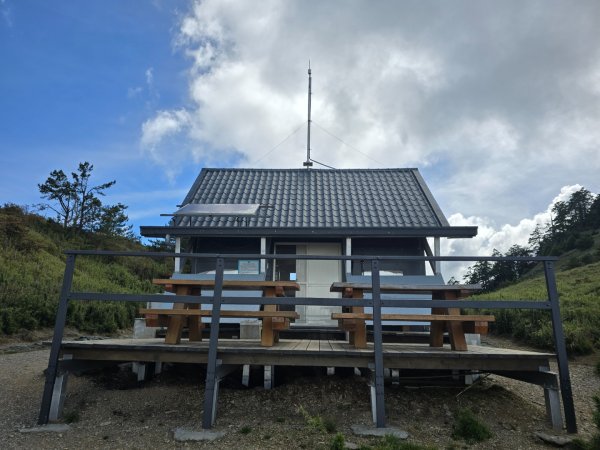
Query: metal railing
x=550 y=303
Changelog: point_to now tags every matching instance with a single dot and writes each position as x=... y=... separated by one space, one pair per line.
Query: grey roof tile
x=354 y=198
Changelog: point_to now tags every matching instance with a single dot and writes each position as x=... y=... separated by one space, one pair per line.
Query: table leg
x=176 y=322
x=360 y=333
x=267 y=338
x=436 y=329
x=456 y=332
x=195 y=324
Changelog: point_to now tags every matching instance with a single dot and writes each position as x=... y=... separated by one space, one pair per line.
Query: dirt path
x=111 y=410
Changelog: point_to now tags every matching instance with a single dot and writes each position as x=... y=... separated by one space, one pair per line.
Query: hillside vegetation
x=573 y=232
x=579 y=291
x=578 y=282
x=32 y=264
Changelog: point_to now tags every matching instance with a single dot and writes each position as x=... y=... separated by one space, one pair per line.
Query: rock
x=558 y=441
x=351 y=446
x=181 y=435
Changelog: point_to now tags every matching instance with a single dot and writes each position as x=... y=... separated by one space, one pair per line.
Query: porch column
x=437 y=252
x=263 y=251
x=348 y=253
x=177 y=250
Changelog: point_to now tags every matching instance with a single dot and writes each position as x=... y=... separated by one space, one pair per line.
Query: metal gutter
x=300 y=232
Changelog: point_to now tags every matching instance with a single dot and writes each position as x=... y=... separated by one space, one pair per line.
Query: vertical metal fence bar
x=59 y=327
x=211 y=365
x=377 y=344
x=561 y=349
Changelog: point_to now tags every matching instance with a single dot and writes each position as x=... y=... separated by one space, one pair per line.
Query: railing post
x=211 y=365
x=377 y=345
x=561 y=350
x=59 y=327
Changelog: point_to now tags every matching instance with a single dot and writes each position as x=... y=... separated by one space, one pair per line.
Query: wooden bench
x=271 y=323
x=470 y=323
x=280 y=320
x=456 y=328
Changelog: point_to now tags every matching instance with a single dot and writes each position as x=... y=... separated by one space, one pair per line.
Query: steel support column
x=561 y=350
x=59 y=328
x=211 y=365
x=378 y=345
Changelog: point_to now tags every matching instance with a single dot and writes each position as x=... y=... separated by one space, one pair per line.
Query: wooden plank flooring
x=309 y=352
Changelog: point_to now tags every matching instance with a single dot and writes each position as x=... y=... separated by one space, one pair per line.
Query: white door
x=315 y=278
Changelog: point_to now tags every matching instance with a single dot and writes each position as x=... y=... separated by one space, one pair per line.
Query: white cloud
x=492 y=237
x=164 y=124
x=6 y=13
x=150 y=76
x=498 y=101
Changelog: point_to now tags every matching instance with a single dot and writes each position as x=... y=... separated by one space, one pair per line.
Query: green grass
x=469 y=428
x=32 y=265
x=579 y=292
x=71 y=416
x=391 y=442
x=338 y=442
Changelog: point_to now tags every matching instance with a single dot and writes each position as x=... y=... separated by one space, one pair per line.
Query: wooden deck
x=532 y=367
x=327 y=353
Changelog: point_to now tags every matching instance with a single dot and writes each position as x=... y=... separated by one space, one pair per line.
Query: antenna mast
x=308 y=164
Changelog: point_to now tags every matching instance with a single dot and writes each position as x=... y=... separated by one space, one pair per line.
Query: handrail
x=217 y=299
x=308 y=257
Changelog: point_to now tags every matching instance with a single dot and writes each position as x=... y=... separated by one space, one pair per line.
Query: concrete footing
x=182 y=435
x=50 y=428
x=364 y=430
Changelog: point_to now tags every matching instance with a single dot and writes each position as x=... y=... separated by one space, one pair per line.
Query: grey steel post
x=211 y=365
x=59 y=327
x=561 y=349
x=378 y=345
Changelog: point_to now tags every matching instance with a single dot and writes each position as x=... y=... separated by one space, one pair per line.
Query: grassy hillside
x=579 y=290
x=31 y=270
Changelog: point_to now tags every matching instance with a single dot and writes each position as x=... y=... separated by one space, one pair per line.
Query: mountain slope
x=32 y=266
x=579 y=291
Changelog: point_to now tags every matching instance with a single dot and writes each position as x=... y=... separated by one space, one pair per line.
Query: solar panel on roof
x=218 y=209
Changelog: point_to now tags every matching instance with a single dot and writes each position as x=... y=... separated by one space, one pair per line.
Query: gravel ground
x=111 y=410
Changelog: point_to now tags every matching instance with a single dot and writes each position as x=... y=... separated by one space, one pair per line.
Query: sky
x=496 y=103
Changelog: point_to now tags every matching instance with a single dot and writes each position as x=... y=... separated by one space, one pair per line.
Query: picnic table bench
x=272 y=319
x=440 y=319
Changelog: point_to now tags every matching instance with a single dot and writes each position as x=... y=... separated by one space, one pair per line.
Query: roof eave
x=449 y=232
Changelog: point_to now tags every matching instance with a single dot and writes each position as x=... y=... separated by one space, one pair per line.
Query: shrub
x=391 y=442
x=71 y=416
x=338 y=442
x=584 y=242
x=469 y=428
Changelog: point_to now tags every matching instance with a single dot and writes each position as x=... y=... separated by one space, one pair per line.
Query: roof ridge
x=251 y=169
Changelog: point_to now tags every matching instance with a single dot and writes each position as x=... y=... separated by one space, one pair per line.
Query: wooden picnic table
x=273 y=319
x=440 y=318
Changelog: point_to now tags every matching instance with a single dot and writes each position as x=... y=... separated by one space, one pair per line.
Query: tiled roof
x=317 y=199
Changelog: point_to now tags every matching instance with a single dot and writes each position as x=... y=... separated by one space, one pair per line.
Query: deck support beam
x=246 y=375
x=561 y=349
x=269 y=372
x=379 y=406
x=59 y=328
x=547 y=380
x=212 y=380
x=59 y=393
